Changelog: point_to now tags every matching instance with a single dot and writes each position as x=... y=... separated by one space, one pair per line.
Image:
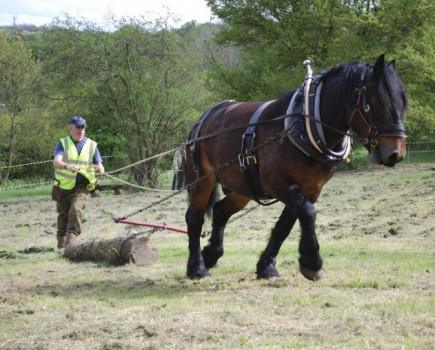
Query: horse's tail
x=183 y=166
x=214 y=197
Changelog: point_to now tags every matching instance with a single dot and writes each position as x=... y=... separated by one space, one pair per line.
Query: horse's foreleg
x=310 y=262
x=222 y=211
x=297 y=207
x=266 y=265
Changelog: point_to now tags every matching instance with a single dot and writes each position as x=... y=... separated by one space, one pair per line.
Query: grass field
x=376 y=229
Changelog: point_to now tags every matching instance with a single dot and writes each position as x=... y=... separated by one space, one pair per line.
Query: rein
x=282 y=117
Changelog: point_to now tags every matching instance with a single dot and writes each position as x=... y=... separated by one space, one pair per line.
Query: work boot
x=61 y=242
x=70 y=238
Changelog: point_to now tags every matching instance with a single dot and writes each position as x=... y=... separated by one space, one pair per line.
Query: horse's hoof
x=211 y=256
x=311 y=274
x=268 y=273
x=197 y=275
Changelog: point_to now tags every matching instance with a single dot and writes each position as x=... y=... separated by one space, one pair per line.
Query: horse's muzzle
x=389 y=151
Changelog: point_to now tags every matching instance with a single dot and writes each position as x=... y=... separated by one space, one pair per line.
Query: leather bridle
x=365 y=112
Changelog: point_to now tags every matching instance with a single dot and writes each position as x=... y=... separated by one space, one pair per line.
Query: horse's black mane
x=353 y=74
x=390 y=92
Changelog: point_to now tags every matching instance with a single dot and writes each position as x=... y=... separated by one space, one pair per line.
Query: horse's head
x=381 y=104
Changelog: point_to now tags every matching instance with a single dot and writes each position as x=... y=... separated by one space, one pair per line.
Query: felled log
x=116 y=251
x=116 y=188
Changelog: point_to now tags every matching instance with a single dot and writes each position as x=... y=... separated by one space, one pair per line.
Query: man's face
x=77 y=132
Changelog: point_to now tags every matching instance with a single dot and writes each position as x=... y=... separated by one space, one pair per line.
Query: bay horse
x=368 y=98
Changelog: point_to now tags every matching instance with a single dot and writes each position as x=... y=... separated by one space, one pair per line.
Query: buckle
x=374 y=142
x=251 y=158
x=91 y=186
x=241 y=161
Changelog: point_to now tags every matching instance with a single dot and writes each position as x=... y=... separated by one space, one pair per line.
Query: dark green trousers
x=70 y=208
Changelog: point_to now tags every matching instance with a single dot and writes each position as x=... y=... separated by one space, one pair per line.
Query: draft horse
x=370 y=99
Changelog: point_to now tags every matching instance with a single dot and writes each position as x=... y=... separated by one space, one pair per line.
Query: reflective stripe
x=92 y=147
x=64 y=142
x=66 y=174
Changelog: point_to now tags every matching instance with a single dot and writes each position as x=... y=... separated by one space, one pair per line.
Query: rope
x=419 y=142
x=26 y=164
x=142 y=161
x=133 y=185
x=41 y=183
x=200 y=178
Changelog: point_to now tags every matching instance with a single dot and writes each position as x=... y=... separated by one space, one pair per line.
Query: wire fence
x=420 y=151
x=417 y=152
x=45 y=167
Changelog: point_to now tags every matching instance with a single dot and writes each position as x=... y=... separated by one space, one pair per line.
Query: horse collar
x=307 y=133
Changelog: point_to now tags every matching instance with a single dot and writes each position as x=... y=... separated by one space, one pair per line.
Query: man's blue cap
x=78 y=121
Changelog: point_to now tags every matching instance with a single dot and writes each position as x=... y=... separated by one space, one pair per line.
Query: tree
x=416 y=57
x=276 y=36
x=19 y=106
x=136 y=81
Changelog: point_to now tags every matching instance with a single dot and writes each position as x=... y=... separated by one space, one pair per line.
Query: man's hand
x=72 y=168
x=99 y=168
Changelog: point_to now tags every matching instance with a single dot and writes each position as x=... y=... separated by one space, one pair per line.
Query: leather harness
x=248 y=160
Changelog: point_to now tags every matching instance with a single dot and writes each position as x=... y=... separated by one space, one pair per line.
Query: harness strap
x=247 y=159
x=309 y=92
x=193 y=146
x=312 y=127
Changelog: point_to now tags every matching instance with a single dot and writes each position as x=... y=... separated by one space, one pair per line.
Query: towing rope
x=133 y=185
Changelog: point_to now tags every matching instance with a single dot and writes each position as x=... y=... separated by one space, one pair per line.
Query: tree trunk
x=115 y=251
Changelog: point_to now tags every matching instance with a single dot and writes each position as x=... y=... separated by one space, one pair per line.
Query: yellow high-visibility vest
x=66 y=178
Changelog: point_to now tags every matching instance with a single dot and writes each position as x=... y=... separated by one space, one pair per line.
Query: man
x=76 y=159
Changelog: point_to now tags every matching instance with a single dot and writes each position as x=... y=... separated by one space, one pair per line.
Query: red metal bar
x=152 y=224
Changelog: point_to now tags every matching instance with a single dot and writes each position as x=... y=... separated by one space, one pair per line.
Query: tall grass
x=18 y=191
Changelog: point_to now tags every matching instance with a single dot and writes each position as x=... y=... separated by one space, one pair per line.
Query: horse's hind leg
x=222 y=212
x=198 y=198
x=266 y=265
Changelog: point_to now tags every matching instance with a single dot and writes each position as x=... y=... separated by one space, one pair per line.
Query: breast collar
x=307 y=133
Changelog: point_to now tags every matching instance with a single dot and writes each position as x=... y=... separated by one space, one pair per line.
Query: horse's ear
x=379 y=67
x=392 y=64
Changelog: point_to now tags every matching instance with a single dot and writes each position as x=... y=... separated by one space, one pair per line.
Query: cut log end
x=143 y=251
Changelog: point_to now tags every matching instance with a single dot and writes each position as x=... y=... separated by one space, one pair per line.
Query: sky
x=40 y=12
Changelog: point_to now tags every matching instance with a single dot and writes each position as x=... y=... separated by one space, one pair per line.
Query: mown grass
x=367 y=300
x=377 y=292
